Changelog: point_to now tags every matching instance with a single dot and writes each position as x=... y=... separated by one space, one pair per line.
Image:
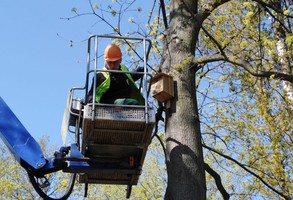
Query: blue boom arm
x=21 y=144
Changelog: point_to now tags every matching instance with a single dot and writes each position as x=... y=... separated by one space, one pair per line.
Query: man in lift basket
x=116 y=88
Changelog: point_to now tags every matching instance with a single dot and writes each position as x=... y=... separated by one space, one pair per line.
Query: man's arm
x=135 y=77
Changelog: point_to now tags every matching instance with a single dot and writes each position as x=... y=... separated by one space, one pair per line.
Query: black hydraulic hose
x=159 y=117
x=42 y=194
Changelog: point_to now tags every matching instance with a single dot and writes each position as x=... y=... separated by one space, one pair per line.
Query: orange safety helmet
x=112 y=53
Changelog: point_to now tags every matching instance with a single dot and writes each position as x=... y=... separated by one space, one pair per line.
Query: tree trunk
x=185 y=169
x=284 y=67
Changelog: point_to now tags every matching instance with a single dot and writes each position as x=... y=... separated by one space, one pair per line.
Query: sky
x=38 y=66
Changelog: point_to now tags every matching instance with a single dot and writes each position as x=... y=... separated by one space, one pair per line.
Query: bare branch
x=218 y=181
x=162 y=5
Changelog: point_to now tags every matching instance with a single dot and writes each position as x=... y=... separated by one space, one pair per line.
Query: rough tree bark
x=185 y=164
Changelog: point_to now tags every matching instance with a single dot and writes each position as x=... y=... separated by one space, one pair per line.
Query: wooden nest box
x=162 y=87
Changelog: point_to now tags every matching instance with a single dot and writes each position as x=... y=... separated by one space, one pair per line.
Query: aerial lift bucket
x=112 y=150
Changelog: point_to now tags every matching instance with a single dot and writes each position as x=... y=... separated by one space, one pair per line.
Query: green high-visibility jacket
x=105 y=85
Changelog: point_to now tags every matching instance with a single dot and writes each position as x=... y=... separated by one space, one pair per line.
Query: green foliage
x=245 y=117
x=179 y=67
x=14 y=182
x=252 y=125
x=95 y=6
x=289 y=39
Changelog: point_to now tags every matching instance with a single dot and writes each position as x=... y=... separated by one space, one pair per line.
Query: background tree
x=254 y=119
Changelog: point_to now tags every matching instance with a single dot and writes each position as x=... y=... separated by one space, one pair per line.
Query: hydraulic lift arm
x=21 y=144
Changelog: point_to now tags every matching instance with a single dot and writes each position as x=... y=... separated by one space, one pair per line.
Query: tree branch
x=245 y=65
x=208 y=8
x=218 y=181
x=267 y=5
x=162 y=5
x=249 y=171
x=215 y=41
